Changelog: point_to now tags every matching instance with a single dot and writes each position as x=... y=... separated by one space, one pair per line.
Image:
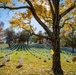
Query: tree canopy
x=40 y=10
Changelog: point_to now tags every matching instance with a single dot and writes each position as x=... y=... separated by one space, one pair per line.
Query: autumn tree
x=49 y=14
x=24 y=37
x=69 y=32
x=70 y=40
x=9 y=36
x=1 y=31
x=38 y=38
x=1 y=24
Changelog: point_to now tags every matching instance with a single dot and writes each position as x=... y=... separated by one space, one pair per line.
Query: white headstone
x=40 y=57
x=26 y=53
x=2 y=55
x=9 y=58
x=16 y=53
x=48 y=57
x=21 y=61
x=4 y=61
x=44 y=59
x=67 y=60
x=36 y=56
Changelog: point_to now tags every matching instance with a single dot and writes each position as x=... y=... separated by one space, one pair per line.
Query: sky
x=6 y=15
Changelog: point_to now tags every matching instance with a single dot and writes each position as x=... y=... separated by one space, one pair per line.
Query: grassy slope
x=34 y=66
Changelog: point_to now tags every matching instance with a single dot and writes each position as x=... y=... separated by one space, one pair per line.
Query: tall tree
x=48 y=13
x=9 y=36
x=1 y=32
x=24 y=36
x=69 y=35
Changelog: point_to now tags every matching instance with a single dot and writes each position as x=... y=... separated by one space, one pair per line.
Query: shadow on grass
x=7 y=60
x=1 y=66
x=19 y=66
x=1 y=57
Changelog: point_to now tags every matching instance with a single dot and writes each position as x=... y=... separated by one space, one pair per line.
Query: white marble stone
x=9 y=58
x=21 y=61
x=44 y=59
x=4 y=61
x=3 y=55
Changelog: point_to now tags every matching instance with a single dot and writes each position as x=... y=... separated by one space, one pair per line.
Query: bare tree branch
x=14 y=8
x=51 y=7
x=47 y=37
x=38 y=19
x=65 y=22
x=68 y=10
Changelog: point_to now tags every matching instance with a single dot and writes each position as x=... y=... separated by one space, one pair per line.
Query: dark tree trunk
x=28 y=39
x=9 y=43
x=56 y=67
x=72 y=49
x=72 y=39
x=56 y=47
x=27 y=44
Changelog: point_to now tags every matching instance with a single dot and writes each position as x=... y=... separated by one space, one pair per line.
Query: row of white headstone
x=4 y=59
x=9 y=58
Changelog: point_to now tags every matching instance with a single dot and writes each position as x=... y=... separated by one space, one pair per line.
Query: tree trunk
x=56 y=47
x=27 y=44
x=56 y=43
x=72 y=49
x=72 y=40
x=56 y=67
x=9 y=43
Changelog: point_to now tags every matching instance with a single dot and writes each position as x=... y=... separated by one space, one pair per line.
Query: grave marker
x=44 y=59
x=21 y=61
x=9 y=58
x=3 y=55
x=4 y=61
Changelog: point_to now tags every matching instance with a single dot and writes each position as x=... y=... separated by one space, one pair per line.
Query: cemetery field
x=34 y=61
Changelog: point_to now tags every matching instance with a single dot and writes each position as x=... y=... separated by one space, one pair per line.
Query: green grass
x=3 y=45
x=33 y=65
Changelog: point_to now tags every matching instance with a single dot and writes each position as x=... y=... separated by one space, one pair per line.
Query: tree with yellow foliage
x=48 y=14
x=69 y=32
x=1 y=31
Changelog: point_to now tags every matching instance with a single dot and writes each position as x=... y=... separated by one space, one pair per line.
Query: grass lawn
x=33 y=65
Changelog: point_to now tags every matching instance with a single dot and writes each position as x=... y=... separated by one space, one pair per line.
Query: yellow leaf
x=50 y=21
x=28 y=28
x=75 y=17
x=9 y=1
x=6 y=1
x=8 y=71
x=52 y=51
x=3 y=1
x=24 y=2
x=19 y=0
x=65 y=34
